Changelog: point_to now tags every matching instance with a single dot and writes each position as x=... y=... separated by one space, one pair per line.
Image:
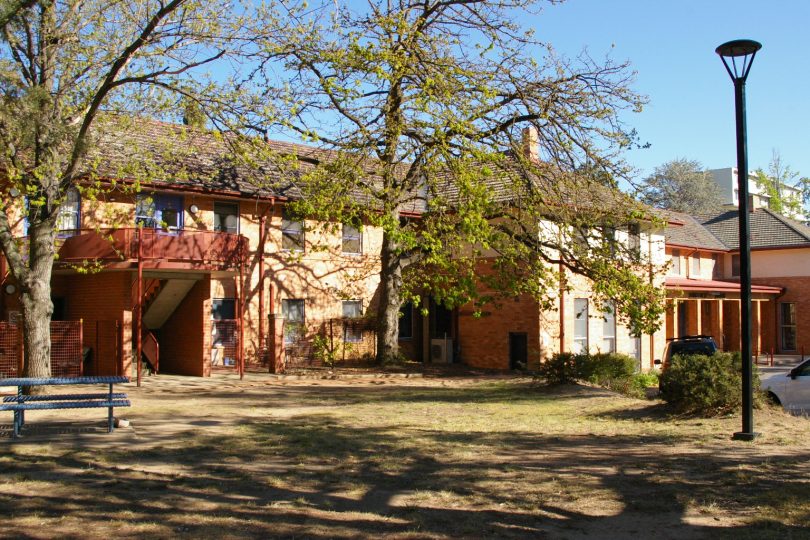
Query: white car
x=791 y=390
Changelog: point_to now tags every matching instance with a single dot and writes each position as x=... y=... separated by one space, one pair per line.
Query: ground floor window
x=406 y=321
x=609 y=327
x=293 y=311
x=223 y=313
x=787 y=326
x=580 y=325
x=352 y=310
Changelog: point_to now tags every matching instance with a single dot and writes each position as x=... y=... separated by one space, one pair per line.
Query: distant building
x=726 y=179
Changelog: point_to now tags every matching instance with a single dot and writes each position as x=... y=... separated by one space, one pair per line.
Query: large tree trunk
x=390 y=299
x=37 y=307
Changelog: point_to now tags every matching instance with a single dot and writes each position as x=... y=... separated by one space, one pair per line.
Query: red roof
x=710 y=285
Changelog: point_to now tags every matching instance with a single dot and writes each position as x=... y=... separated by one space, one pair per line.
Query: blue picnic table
x=22 y=402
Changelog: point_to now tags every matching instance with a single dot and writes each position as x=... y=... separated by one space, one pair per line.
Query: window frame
x=783 y=326
x=675 y=267
x=292 y=334
x=66 y=213
x=352 y=335
x=347 y=238
x=233 y=205
x=695 y=266
x=735 y=256
x=290 y=229
x=609 y=323
x=581 y=343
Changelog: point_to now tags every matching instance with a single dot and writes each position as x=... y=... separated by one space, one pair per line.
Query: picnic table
x=21 y=402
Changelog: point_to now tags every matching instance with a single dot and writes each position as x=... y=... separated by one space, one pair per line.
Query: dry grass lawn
x=400 y=458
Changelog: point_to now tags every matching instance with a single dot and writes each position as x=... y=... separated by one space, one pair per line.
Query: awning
x=710 y=285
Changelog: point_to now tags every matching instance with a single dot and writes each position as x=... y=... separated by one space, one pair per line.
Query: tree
x=681 y=185
x=72 y=73
x=421 y=103
x=785 y=190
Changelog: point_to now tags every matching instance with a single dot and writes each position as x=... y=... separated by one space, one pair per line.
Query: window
x=635 y=342
x=352 y=240
x=609 y=327
x=159 y=211
x=352 y=309
x=406 y=321
x=716 y=267
x=695 y=270
x=293 y=311
x=580 y=325
x=226 y=217
x=69 y=213
x=675 y=269
x=634 y=239
x=223 y=309
x=609 y=240
x=292 y=234
x=735 y=266
x=787 y=325
x=223 y=313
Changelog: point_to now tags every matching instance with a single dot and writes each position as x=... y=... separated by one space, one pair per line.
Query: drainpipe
x=138 y=310
x=562 y=308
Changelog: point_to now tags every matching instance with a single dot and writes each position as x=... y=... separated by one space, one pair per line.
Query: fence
x=323 y=342
x=225 y=344
x=66 y=349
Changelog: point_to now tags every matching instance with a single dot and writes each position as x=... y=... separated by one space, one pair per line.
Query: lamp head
x=737 y=56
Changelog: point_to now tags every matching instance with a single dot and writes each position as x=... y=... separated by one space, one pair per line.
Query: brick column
x=275 y=335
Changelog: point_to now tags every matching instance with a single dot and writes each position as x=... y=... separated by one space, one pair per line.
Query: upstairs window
x=695 y=271
x=226 y=217
x=159 y=211
x=70 y=213
x=352 y=240
x=292 y=233
x=634 y=239
x=735 y=266
x=675 y=269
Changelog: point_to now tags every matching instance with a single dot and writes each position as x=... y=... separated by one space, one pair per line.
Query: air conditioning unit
x=441 y=351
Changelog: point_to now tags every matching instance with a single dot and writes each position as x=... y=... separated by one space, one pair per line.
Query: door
x=518 y=350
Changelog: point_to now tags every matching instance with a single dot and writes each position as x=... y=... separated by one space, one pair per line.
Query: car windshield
x=692 y=347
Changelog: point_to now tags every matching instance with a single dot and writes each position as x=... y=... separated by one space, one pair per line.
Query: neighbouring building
x=727 y=180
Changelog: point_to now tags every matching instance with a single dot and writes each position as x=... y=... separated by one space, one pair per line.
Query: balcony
x=181 y=248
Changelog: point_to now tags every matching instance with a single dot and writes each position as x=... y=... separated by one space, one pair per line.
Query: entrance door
x=518 y=350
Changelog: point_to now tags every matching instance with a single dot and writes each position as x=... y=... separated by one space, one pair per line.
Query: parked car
x=791 y=390
x=685 y=345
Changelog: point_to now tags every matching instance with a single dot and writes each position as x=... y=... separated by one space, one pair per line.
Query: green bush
x=559 y=369
x=704 y=385
x=610 y=370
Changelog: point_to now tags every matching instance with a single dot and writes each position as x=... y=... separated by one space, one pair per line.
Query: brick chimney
x=530 y=140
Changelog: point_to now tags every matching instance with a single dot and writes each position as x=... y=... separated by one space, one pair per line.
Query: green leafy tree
x=681 y=185
x=785 y=190
x=73 y=73
x=421 y=104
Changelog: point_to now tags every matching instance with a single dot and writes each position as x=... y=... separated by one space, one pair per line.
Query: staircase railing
x=150 y=348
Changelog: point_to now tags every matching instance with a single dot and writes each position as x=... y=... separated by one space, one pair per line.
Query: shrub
x=704 y=385
x=559 y=369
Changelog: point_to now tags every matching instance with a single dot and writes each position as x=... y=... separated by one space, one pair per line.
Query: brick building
x=203 y=270
x=703 y=280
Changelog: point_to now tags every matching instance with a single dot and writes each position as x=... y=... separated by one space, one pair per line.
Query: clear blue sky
x=691 y=110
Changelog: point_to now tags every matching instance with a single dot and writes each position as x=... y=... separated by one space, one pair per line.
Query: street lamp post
x=737 y=56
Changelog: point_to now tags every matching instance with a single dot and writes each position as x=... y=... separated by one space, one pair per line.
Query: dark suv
x=687 y=345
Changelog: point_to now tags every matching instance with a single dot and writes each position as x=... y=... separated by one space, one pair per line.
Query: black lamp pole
x=737 y=56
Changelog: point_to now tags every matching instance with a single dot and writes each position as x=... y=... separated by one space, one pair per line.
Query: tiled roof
x=768 y=229
x=685 y=230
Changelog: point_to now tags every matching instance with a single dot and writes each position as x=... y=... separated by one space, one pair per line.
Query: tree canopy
x=681 y=185
x=786 y=191
x=424 y=103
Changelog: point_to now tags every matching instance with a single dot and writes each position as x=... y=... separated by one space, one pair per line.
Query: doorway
x=518 y=350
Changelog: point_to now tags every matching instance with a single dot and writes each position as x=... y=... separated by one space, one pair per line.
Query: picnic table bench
x=21 y=403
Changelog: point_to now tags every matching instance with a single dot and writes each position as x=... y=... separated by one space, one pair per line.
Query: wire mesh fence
x=225 y=344
x=329 y=341
x=66 y=349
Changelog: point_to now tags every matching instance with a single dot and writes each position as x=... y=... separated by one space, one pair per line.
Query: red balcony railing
x=111 y=245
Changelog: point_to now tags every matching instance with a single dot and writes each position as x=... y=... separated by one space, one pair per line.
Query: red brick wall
x=797 y=290
x=484 y=340
x=185 y=339
x=105 y=296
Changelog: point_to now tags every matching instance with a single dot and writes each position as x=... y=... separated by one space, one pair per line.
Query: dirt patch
x=403 y=458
